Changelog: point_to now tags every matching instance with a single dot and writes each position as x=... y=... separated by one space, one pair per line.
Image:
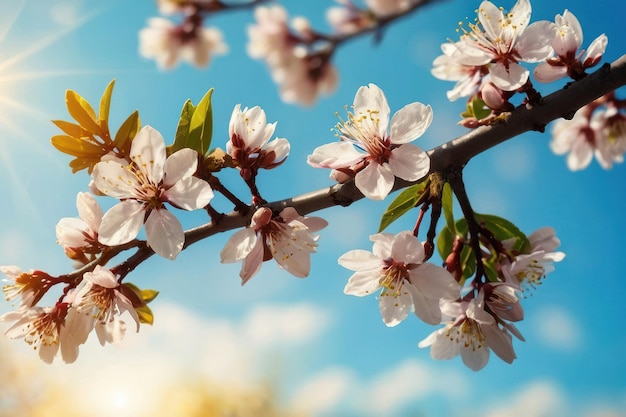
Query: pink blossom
x=249 y=144
x=99 y=297
x=48 y=330
x=396 y=267
x=167 y=43
x=288 y=238
x=375 y=154
x=79 y=236
x=472 y=333
x=567 y=59
x=502 y=41
x=144 y=186
x=530 y=268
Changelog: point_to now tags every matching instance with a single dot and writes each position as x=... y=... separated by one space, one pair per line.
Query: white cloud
x=537 y=399
x=324 y=392
x=274 y=325
x=557 y=328
x=181 y=344
x=385 y=394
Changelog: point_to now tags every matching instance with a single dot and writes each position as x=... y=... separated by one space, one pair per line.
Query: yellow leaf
x=82 y=112
x=105 y=105
x=71 y=129
x=145 y=315
x=127 y=132
x=76 y=146
x=148 y=295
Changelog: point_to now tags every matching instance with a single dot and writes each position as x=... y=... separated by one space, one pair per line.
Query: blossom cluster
x=486 y=62
x=148 y=179
x=477 y=316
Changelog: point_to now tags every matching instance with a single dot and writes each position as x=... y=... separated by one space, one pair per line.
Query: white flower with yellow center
x=144 y=186
x=367 y=148
x=395 y=266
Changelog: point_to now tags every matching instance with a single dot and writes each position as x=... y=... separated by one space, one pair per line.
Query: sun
x=21 y=45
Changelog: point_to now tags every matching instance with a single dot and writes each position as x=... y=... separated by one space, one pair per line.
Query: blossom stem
x=217 y=185
x=458 y=188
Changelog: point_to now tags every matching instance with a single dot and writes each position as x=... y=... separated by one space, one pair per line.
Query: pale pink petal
x=164 y=233
x=474 y=358
x=500 y=342
x=426 y=308
x=70 y=232
x=179 y=165
x=121 y=223
x=239 y=245
x=335 y=155
x=360 y=260
x=580 y=156
x=48 y=352
x=148 y=152
x=102 y=277
x=114 y=179
x=434 y=282
x=292 y=254
x=407 y=248
x=371 y=98
x=510 y=77
x=410 y=122
x=595 y=51
x=546 y=73
x=409 y=162
x=491 y=18
x=375 y=181
x=535 y=44
x=442 y=348
x=364 y=282
x=383 y=242
x=394 y=309
x=190 y=193
x=89 y=210
x=280 y=147
x=252 y=263
x=520 y=14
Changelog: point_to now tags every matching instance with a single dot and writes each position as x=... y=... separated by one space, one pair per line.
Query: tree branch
x=454 y=154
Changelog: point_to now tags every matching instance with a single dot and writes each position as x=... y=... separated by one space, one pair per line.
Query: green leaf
x=201 y=125
x=405 y=201
x=446 y=205
x=503 y=229
x=445 y=240
x=182 y=130
x=105 y=103
x=480 y=109
x=127 y=132
x=195 y=126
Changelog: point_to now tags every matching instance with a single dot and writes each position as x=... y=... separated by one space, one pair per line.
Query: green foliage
x=195 y=126
x=405 y=201
x=476 y=109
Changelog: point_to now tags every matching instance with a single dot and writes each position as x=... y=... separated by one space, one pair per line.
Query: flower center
x=395 y=275
x=363 y=130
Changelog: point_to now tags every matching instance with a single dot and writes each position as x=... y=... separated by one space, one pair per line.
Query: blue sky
x=330 y=353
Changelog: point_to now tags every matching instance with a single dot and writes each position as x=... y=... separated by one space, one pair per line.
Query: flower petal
x=121 y=223
x=190 y=193
x=409 y=162
x=375 y=181
x=239 y=246
x=410 y=122
x=164 y=233
x=335 y=155
x=372 y=99
x=114 y=179
x=179 y=165
x=89 y=210
x=148 y=153
x=359 y=260
x=395 y=308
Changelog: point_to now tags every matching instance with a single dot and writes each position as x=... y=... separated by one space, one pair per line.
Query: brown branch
x=450 y=156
